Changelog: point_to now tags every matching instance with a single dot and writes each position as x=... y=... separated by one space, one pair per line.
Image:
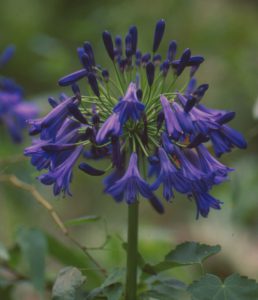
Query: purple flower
x=210 y=165
x=131 y=184
x=158 y=34
x=173 y=127
x=112 y=126
x=39 y=158
x=14 y=111
x=51 y=123
x=204 y=202
x=224 y=139
x=45 y=153
x=128 y=115
x=61 y=176
x=170 y=177
x=129 y=107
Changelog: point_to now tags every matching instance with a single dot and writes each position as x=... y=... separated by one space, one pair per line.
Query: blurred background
x=46 y=35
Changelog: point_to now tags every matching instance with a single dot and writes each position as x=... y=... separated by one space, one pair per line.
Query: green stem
x=132 y=252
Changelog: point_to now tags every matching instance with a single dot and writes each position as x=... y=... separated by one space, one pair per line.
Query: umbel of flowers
x=154 y=132
x=14 y=111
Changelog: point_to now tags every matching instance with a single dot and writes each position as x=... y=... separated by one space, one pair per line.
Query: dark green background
x=47 y=33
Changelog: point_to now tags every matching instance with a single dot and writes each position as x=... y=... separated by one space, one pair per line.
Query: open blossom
x=136 y=117
x=14 y=111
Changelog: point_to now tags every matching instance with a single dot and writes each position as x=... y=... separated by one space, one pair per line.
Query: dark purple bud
x=52 y=102
x=195 y=60
x=191 y=101
x=107 y=39
x=105 y=75
x=153 y=159
x=200 y=91
x=93 y=84
x=34 y=130
x=157 y=59
x=76 y=90
x=95 y=119
x=160 y=120
x=157 y=205
x=90 y=170
x=134 y=34
x=73 y=77
x=86 y=61
x=138 y=58
x=165 y=67
x=145 y=58
x=128 y=45
x=150 y=72
x=62 y=97
x=88 y=133
x=119 y=46
x=139 y=94
x=172 y=51
x=89 y=51
x=159 y=31
x=76 y=113
x=80 y=52
x=199 y=139
x=183 y=61
x=57 y=147
x=122 y=64
x=226 y=117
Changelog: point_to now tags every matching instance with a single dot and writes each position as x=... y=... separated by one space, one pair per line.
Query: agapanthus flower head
x=137 y=116
x=14 y=111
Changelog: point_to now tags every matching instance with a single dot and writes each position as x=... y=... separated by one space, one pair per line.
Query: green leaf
x=34 y=250
x=111 y=287
x=68 y=285
x=163 y=288
x=82 y=220
x=235 y=287
x=188 y=253
x=4 y=254
x=116 y=275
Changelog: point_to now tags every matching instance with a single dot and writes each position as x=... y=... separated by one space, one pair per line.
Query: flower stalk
x=132 y=251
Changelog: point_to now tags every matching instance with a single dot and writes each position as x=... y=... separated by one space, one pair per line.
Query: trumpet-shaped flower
x=133 y=118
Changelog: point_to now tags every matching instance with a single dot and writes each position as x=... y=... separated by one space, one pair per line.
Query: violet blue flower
x=170 y=177
x=61 y=176
x=14 y=111
x=132 y=111
x=129 y=107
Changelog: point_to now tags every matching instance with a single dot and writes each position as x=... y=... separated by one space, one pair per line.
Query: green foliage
x=188 y=253
x=68 y=285
x=234 y=287
x=111 y=288
x=33 y=246
x=160 y=288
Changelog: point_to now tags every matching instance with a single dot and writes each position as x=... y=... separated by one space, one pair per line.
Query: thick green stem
x=132 y=252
